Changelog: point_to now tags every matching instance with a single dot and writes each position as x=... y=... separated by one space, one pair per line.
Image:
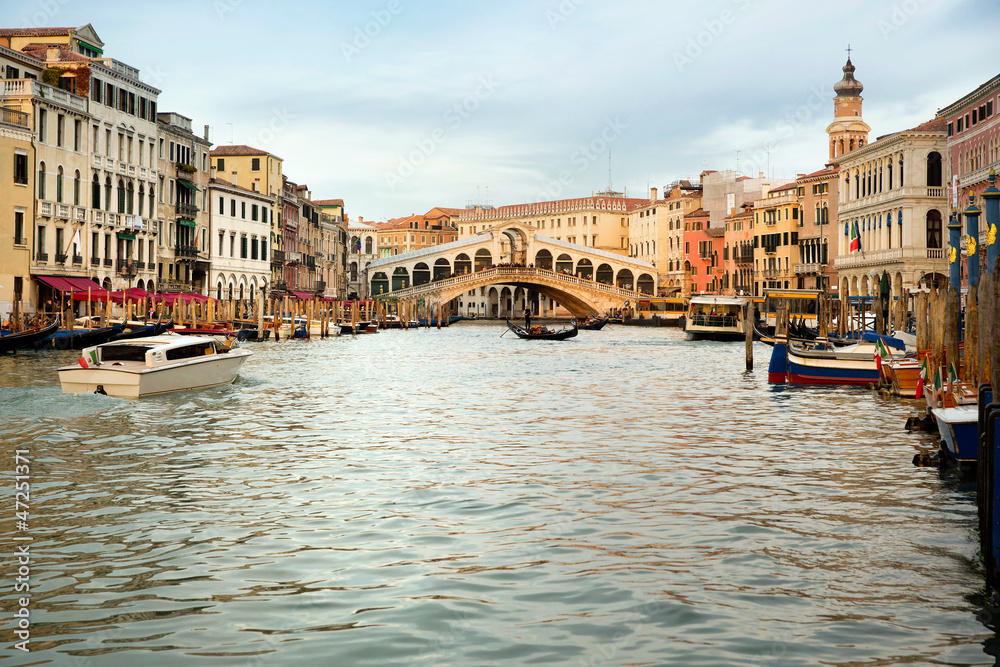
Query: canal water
x=456 y=497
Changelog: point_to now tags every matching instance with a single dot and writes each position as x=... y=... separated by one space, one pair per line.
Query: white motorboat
x=154 y=365
x=715 y=318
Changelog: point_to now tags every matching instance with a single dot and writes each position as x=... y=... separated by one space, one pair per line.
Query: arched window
x=933 y=228
x=76 y=188
x=368 y=245
x=129 y=201
x=59 y=184
x=933 y=169
x=95 y=193
x=41 y=180
x=142 y=195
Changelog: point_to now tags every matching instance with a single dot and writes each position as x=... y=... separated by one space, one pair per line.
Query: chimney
x=653 y=192
x=760 y=174
x=233 y=180
x=211 y=171
x=206 y=133
x=361 y=218
x=52 y=53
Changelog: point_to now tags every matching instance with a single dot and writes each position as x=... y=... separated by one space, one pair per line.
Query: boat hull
x=714 y=334
x=138 y=381
x=809 y=370
x=959 y=429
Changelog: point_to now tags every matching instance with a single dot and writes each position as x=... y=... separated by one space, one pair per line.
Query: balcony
x=935 y=253
x=14 y=117
x=62 y=211
x=20 y=240
x=770 y=249
x=320 y=286
x=95 y=261
x=131 y=170
x=45 y=209
x=185 y=171
x=41 y=256
x=109 y=262
x=804 y=269
x=183 y=251
x=79 y=214
x=277 y=257
x=293 y=257
x=77 y=260
x=96 y=161
x=61 y=258
x=187 y=211
x=122 y=168
x=97 y=216
x=152 y=266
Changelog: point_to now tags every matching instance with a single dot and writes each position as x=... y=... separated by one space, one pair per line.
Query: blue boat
x=959 y=429
x=77 y=339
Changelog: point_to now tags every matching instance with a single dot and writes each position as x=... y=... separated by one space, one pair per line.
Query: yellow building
x=776 y=222
x=682 y=199
x=16 y=206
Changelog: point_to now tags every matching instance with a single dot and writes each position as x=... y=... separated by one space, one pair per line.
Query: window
x=222 y=205
x=121 y=147
x=41 y=125
x=222 y=237
x=19 y=228
x=76 y=188
x=21 y=169
x=76 y=135
x=59 y=129
x=232 y=208
x=41 y=180
x=253 y=212
x=243 y=247
x=171 y=151
x=107 y=143
x=255 y=164
x=243 y=210
x=222 y=164
x=933 y=228
x=253 y=248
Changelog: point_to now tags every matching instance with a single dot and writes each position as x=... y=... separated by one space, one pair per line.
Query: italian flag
x=855 y=238
x=89 y=358
x=922 y=377
x=881 y=352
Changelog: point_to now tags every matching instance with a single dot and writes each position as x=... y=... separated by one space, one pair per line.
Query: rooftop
x=238 y=149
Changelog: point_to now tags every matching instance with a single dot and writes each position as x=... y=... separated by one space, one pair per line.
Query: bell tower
x=848 y=130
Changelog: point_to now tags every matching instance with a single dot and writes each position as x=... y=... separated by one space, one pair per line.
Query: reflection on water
x=454 y=497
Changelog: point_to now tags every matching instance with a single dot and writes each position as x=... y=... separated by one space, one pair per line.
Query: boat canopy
x=80 y=288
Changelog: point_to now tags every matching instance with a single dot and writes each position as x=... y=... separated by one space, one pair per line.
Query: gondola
x=71 y=339
x=154 y=329
x=542 y=333
x=15 y=341
x=594 y=324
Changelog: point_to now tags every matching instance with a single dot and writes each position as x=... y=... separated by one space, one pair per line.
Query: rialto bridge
x=510 y=266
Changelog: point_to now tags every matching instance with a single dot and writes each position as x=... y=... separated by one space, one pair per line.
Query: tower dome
x=848 y=86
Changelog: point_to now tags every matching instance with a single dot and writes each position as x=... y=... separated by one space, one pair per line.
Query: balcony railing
x=61 y=258
x=13 y=117
x=45 y=209
x=95 y=261
x=77 y=259
x=277 y=256
x=41 y=256
x=935 y=253
x=320 y=286
x=109 y=262
x=812 y=267
x=187 y=210
x=185 y=251
x=62 y=211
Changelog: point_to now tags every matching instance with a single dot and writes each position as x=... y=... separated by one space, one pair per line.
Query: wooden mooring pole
x=748 y=324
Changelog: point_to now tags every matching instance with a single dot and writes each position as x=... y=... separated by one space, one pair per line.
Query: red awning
x=302 y=296
x=77 y=285
x=133 y=294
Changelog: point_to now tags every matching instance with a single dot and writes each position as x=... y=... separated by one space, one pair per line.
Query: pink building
x=703 y=252
x=973 y=142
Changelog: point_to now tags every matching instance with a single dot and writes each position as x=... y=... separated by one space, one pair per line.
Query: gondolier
x=527 y=319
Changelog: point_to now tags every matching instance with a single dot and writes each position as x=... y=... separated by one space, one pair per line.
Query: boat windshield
x=190 y=351
x=124 y=352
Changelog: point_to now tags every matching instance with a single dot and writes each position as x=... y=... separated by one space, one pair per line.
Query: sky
x=398 y=106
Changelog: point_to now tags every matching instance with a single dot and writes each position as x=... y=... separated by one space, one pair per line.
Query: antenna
x=609 y=169
x=848 y=51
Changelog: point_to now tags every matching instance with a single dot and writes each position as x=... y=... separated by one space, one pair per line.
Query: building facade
x=893 y=199
x=183 y=222
x=776 y=230
x=818 y=247
x=239 y=243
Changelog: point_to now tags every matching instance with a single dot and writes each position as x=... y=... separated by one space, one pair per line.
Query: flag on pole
x=77 y=244
x=881 y=352
x=952 y=373
x=89 y=358
x=938 y=384
x=922 y=378
x=855 y=238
